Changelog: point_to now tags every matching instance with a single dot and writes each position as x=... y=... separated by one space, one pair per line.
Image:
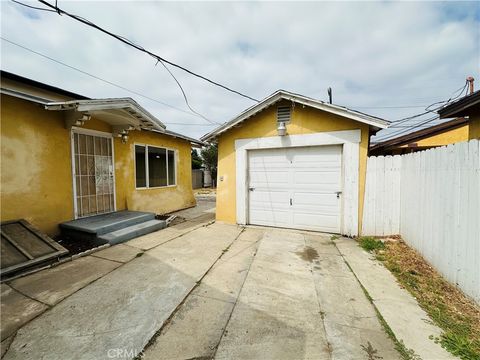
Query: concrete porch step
x=106 y=223
x=133 y=231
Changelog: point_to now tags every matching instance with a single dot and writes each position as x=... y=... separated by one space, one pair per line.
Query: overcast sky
x=374 y=55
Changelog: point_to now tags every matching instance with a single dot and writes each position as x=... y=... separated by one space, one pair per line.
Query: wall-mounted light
x=281 y=129
x=124 y=138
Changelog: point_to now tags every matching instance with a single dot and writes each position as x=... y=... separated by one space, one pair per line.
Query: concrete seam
x=234 y=304
x=14 y=335
x=398 y=343
x=180 y=305
x=330 y=350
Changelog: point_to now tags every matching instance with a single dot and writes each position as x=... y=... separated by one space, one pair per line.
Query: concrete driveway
x=201 y=291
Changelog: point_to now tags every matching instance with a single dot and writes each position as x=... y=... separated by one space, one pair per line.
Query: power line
x=394 y=135
x=428 y=108
x=32 y=7
x=389 y=107
x=140 y=48
x=110 y=83
x=183 y=93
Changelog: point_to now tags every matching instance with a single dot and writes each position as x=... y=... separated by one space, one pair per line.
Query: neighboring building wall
x=448 y=137
x=36 y=168
x=305 y=120
x=474 y=127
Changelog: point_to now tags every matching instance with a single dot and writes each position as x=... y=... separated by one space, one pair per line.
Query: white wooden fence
x=432 y=199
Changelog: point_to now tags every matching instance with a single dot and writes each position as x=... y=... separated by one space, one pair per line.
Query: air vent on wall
x=283 y=114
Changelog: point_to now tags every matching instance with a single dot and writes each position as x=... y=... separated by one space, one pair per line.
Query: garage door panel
x=310 y=221
x=327 y=179
x=268 y=178
x=274 y=200
x=318 y=200
x=269 y=218
x=295 y=187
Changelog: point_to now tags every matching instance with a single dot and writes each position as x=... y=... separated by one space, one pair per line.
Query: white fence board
x=432 y=199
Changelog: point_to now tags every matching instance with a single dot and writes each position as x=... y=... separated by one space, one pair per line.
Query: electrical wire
x=428 y=108
x=32 y=7
x=110 y=83
x=185 y=95
x=394 y=135
x=140 y=48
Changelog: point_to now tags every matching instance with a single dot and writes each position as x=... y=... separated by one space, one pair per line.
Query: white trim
x=85 y=131
x=135 y=112
x=300 y=99
x=74 y=180
x=350 y=139
x=147 y=187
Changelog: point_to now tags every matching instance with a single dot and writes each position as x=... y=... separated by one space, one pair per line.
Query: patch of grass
x=369 y=243
x=448 y=307
x=334 y=237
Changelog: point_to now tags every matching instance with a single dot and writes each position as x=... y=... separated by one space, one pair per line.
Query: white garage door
x=296 y=187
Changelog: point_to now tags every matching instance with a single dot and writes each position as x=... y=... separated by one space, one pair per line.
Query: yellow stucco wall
x=448 y=137
x=305 y=120
x=474 y=127
x=36 y=169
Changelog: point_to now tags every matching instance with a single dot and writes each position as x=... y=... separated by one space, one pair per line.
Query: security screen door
x=93 y=174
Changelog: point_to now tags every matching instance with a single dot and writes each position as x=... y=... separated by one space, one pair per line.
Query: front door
x=93 y=172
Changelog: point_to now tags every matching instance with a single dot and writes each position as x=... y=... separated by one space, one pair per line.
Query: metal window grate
x=283 y=113
x=93 y=175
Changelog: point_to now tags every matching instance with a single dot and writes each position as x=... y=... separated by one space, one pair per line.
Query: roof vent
x=283 y=114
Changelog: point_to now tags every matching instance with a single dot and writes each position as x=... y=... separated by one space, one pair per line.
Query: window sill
x=156 y=187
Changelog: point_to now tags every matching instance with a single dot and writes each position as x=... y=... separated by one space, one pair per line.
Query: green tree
x=196 y=160
x=210 y=159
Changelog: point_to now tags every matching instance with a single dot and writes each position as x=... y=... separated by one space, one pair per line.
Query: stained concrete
x=277 y=314
x=121 y=253
x=16 y=310
x=125 y=308
x=54 y=284
x=399 y=309
x=197 y=327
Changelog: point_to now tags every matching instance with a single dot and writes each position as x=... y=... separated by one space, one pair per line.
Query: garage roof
x=375 y=122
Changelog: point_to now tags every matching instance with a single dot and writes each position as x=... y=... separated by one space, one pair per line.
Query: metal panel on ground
x=24 y=246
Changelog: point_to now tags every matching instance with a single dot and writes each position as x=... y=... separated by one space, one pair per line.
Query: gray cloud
x=372 y=54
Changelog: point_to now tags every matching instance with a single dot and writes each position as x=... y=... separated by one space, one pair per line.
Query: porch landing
x=113 y=227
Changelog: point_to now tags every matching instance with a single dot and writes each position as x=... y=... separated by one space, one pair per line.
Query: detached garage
x=294 y=162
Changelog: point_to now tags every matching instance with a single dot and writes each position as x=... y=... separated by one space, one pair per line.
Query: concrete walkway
x=28 y=297
x=294 y=298
x=408 y=321
x=201 y=291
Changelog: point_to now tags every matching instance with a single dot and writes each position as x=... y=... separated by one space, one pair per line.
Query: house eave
x=375 y=122
x=131 y=113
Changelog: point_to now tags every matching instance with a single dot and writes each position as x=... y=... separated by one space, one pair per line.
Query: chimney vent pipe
x=470 y=80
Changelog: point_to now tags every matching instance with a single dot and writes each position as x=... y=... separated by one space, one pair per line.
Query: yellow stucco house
x=468 y=106
x=449 y=132
x=295 y=162
x=65 y=156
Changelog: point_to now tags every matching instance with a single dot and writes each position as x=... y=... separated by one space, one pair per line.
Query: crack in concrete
x=182 y=303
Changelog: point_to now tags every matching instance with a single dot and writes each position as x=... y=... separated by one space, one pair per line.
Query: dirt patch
x=308 y=254
x=456 y=314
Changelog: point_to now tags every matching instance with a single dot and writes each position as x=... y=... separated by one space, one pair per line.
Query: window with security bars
x=94 y=174
x=154 y=167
